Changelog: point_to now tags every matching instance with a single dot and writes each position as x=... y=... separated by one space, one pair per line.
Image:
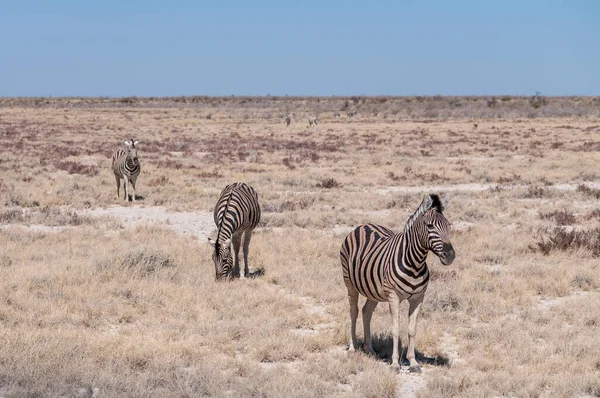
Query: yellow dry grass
x=92 y=306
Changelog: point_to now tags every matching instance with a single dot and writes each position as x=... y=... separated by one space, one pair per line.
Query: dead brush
x=77 y=168
x=561 y=217
x=560 y=239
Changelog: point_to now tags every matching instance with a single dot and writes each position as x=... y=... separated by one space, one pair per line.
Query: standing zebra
x=126 y=166
x=236 y=214
x=388 y=267
x=312 y=121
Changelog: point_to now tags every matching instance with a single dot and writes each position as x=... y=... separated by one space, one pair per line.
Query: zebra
x=126 y=166
x=351 y=114
x=288 y=120
x=312 y=121
x=236 y=215
x=388 y=267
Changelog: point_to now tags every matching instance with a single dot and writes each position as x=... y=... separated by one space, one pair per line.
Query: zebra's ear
x=135 y=143
x=211 y=242
x=127 y=143
x=445 y=199
x=426 y=203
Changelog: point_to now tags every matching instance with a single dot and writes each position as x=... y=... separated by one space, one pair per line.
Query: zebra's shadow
x=384 y=344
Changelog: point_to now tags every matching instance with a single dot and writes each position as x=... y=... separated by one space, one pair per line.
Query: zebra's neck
x=413 y=247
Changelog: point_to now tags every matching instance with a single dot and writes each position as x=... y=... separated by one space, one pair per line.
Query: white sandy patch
x=198 y=223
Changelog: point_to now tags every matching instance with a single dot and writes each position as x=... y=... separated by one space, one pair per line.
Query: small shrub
x=587 y=191
x=143 y=261
x=535 y=193
x=160 y=181
x=328 y=183
x=561 y=217
x=11 y=216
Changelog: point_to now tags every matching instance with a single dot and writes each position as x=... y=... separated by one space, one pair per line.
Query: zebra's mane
x=429 y=202
x=223 y=217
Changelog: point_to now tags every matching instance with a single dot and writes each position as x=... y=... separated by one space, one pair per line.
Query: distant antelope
x=288 y=120
x=236 y=214
x=126 y=166
x=312 y=121
x=388 y=267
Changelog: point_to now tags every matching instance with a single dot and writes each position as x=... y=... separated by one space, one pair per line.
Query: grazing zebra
x=388 y=267
x=288 y=120
x=126 y=166
x=236 y=214
x=312 y=121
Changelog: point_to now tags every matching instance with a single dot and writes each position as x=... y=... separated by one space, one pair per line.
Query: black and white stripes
x=126 y=167
x=388 y=267
x=236 y=215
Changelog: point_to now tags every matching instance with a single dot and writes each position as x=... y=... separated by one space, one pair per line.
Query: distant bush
x=561 y=239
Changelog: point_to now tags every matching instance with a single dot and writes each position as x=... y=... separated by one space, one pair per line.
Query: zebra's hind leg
x=367 y=312
x=245 y=246
x=414 y=308
x=235 y=242
x=118 y=186
x=353 y=300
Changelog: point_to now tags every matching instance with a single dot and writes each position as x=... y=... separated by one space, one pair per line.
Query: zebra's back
x=243 y=210
x=373 y=263
x=365 y=253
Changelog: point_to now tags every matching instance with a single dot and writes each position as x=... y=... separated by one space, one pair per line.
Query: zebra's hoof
x=415 y=369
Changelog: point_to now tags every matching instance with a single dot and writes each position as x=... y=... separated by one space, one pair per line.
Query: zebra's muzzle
x=447 y=255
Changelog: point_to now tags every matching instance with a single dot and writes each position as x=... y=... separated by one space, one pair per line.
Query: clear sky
x=278 y=47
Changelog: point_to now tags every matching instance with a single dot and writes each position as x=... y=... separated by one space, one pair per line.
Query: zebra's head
x=132 y=150
x=433 y=228
x=222 y=259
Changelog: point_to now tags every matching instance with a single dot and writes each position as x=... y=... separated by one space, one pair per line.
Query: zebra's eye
x=430 y=226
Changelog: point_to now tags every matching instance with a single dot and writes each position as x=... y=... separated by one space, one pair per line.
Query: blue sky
x=169 y=48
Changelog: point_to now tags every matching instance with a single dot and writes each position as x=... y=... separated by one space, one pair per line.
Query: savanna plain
x=101 y=297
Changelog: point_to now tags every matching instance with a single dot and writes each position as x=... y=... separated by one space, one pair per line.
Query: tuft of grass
x=143 y=261
x=587 y=191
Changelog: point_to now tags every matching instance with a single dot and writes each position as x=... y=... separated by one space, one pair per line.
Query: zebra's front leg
x=413 y=314
x=246 y=245
x=125 y=188
x=132 y=185
x=235 y=242
x=367 y=312
x=353 y=300
x=395 y=310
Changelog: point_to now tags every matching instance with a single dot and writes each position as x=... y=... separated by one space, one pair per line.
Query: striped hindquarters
x=124 y=165
x=237 y=210
x=372 y=263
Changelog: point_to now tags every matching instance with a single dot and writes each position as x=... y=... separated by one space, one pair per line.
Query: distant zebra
x=126 y=167
x=312 y=121
x=288 y=120
x=236 y=214
x=388 y=267
x=351 y=114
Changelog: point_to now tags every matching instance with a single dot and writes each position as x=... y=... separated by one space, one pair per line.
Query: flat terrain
x=100 y=297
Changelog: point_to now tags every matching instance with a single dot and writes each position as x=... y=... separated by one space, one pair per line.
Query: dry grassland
x=104 y=303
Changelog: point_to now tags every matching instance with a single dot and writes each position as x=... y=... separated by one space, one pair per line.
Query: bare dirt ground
x=99 y=297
